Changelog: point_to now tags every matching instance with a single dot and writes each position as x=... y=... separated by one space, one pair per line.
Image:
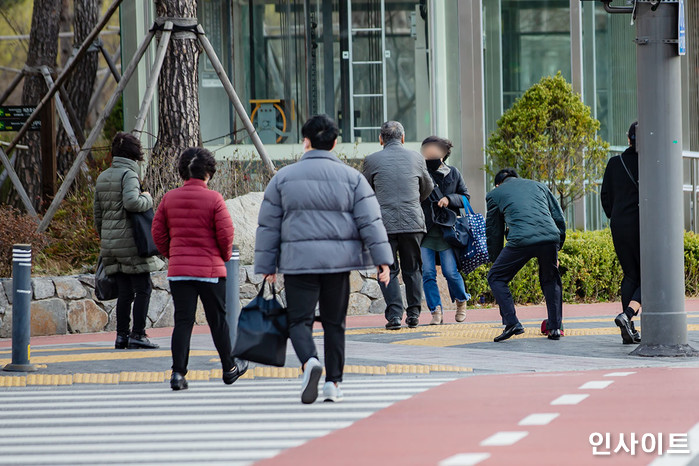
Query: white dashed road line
x=682 y=460
x=465 y=459
x=596 y=385
x=571 y=399
x=538 y=419
x=618 y=374
x=505 y=438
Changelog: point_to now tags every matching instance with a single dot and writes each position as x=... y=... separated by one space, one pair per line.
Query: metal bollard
x=233 y=294
x=21 y=308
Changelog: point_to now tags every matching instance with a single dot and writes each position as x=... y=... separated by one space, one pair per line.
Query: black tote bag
x=105 y=285
x=262 y=331
x=141 y=224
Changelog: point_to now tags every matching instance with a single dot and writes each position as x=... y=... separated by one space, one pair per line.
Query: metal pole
x=240 y=110
x=233 y=294
x=96 y=131
x=659 y=137
x=21 y=310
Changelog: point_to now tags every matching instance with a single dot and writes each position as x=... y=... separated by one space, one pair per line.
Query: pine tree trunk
x=82 y=81
x=178 y=100
x=43 y=48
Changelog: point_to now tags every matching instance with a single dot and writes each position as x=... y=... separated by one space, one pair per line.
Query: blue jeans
x=450 y=270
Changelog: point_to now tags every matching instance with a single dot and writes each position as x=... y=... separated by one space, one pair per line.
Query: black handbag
x=141 y=224
x=262 y=331
x=105 y=285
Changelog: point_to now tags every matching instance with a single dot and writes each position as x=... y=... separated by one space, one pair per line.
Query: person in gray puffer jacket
x=401 y=181
x=319 y=220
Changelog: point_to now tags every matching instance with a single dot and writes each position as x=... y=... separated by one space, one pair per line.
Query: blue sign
x=681 y=31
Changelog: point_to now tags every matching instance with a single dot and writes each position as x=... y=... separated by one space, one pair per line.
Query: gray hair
x=392 y=131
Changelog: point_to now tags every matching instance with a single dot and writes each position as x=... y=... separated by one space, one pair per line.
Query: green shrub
x=590 y=271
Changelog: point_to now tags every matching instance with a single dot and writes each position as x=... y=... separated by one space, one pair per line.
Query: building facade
x=446 y=67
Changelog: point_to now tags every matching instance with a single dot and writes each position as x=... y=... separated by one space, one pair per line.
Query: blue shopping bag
x=475 y=251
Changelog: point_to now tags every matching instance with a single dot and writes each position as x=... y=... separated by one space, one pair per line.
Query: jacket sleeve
x=269 y=230
x=224 y=230
x=160 y=229
x=132 y=197
x=366 y=171
x=557 y=214
x=426 y=184
x=97 y=210
x=607 y=193
x=494 y=229
x=367 y=217
x=456 y=198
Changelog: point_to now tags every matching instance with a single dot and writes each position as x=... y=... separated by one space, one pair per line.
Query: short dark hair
x=392 y=131
x=322 y=131
x=196 y=162
x=128 y=146
x=632 y=133
x=444 y=143
x=504 y=174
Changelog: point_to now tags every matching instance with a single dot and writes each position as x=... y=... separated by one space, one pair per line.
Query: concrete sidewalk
x=592 y=341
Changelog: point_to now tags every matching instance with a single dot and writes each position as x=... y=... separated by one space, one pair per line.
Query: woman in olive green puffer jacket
x=118 y=191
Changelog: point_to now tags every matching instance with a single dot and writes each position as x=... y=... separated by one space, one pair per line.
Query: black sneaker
x=622 y=321
x=412 y=322
x=394 y=324
x=509 y=332
x=178 y=382
x=240 y=368
x=121 y=342
x=141 y=342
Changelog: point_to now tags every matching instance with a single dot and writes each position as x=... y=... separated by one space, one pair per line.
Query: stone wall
x=68 y=304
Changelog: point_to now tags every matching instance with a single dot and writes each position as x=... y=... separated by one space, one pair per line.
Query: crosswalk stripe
x=166 y=393
x=110 y=437
x=183 y=409
x=37 y=405
x=208 y=424
x=240 y=386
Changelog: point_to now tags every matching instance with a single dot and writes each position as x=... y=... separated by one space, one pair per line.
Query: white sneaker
x=311 y=376
x=332 y=392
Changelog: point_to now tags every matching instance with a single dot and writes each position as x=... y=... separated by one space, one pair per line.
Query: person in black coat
x=449 y=193
x=620 y=203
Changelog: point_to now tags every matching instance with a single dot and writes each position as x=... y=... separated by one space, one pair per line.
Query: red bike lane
x=479 y=419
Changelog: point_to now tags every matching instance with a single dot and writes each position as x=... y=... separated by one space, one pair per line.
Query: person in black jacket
x=449 y=193
x=620 y=203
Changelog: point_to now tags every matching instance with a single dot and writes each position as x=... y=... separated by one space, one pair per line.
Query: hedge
x=590 y=272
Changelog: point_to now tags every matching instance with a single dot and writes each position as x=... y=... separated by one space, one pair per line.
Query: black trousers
x=134 y=288
x=627 y=244
x=331 y=292
x=407 y=260
x=509 y=262
x=213 y=297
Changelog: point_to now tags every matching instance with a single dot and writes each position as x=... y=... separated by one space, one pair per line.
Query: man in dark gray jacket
x=401 y=181
x=535 y=228
x=320 y=220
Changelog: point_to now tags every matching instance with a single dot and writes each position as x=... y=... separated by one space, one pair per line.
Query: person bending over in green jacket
x=535 y=228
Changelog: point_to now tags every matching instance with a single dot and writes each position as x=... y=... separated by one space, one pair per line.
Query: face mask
x=433 y=165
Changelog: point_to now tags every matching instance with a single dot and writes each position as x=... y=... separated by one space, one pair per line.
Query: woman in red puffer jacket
x=193 y=229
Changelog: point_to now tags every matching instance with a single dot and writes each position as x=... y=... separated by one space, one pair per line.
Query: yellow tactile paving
x=109 y=355
x=59 y=350
x=213 y=374
x=96 y=378
x=49 y=379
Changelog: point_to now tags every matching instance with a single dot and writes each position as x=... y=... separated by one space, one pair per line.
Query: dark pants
x=407 y=260
x=627 y=244
x=331 y=293
x=134 y=288
x=509 y=262
x=213 y=297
